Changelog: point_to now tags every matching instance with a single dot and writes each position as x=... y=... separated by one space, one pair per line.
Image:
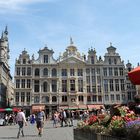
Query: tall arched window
x=54 y=99
x=37 y=72
x=54 y=72
x=45 y=72
x=45 y=87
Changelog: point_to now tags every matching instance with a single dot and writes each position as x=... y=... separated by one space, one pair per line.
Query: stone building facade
x=6 y=84
x=72 y=81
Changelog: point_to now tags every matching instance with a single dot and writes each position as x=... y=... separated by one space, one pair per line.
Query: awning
x=63 y=107
x=9 y=109
x=134 y=76
x=38 y=107
x=73 y=107
x=82 y=107
x=90 y=107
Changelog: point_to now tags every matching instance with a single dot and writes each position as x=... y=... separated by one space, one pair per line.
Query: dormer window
x=115 y=61
x=109 y=61
x=92 y=59
x=24 y=61
x=45 y=58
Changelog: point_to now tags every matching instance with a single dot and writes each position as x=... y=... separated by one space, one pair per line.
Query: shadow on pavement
x=2 y=138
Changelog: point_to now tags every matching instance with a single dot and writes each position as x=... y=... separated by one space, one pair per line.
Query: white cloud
x=18 y=5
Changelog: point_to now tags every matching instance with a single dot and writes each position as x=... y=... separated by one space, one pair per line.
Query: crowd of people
x=61 y=118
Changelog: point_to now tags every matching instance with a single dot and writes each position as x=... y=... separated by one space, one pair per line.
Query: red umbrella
x=134 y=76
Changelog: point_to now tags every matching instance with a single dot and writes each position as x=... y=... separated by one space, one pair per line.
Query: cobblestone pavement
x=30 y=132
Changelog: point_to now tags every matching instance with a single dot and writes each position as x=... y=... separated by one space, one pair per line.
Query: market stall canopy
x=82 y=107
x=134 y=76
x=36 y=108
x=91 y=107
x=63 y=107
x=9 y=109
x=69 y=107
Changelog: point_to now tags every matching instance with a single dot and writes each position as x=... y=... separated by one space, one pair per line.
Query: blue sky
x=96 y=23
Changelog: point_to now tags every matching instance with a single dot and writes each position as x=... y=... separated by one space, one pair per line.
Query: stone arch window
x=45 y=72
x=54 y=99
x=45 y=99
x=37 y=72
x=54 y=72
x=81 y=98
x=109 y=61
x=45 y=87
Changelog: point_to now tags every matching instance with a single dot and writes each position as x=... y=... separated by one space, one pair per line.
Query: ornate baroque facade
x=71 y=81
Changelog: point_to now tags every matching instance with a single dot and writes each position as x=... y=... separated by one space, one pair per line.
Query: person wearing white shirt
x=20 y=118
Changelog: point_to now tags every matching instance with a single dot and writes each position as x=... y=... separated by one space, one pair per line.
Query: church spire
x=71 y=41
x=6 y=30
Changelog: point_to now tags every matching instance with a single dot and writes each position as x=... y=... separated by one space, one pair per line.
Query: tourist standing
x=55 y=119
x=20 y=118
x=69 y=117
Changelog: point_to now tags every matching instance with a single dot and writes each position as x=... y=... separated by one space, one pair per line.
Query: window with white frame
x=37 y=72
x=18 y=71
x=28 y=71
x=36 y=86
x=17 y=97
x=80 y=85
x=64 y=98
x=64 y=72
x=54 y=72
x=72 y=72
x=54 y=86
x=22 y=96
x=45 y=86
x=36 y=99
x=23 y=71
x=23 y=83
x=80 y=72
x=45 y=72
x=28 y=96
x=64 y=85
x=72 y=85
x=45 y=58
x=17 y=83
x=28 y=83
x=81 y=98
